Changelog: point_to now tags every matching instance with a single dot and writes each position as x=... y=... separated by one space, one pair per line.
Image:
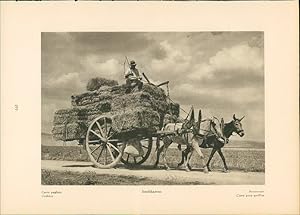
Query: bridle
x=234 y=129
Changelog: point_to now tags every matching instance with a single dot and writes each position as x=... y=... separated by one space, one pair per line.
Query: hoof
x=225 y=170
x=179 y=167
x=205 y=170
x=209 y=170
x=187 y=170
x=168 y=168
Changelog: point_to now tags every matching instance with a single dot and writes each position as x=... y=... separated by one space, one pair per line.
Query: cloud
x=225 y=103
x=158 y=52
x=253 y=124
x=257 y=41
x=237 y=57
x=99 y=43
x=61 y=88
x=52 y=41
x=242 y=58
x=218 y=97
x=220 y=72
x=172 y=65
x=65 y=81
x=201 y=71
x=94 y=67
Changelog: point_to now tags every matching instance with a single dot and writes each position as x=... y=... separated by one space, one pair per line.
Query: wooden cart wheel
x=103 y=150
x=146 y=146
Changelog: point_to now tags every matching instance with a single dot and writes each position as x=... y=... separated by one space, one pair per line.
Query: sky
x=221 y=73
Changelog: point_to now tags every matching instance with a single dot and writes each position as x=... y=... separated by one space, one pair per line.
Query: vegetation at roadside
x=50 y=177
x=237 y=159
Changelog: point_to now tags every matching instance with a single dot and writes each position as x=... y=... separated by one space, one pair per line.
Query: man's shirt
x=132 y=73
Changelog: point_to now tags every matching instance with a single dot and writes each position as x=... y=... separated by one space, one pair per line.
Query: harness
x=213 y=131
x=183 y=133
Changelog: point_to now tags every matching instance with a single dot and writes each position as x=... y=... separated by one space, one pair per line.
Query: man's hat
x=132 y=63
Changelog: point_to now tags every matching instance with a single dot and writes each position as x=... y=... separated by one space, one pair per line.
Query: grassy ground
x=91 y=178
x=237 y=159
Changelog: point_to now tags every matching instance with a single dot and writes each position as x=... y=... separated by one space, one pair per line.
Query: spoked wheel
x=103 y=150
x=131 y=160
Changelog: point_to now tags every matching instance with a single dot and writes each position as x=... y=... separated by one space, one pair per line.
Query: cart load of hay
x=146 y=109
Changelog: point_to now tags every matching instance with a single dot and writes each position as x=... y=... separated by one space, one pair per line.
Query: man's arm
x=128 y=73
x=138 y=74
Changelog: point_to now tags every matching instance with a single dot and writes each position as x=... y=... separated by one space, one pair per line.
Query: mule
x=213 y=141
x=182 y=136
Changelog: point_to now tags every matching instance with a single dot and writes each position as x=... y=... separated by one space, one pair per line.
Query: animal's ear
x=234 y=117
x=192 y=119
x=199 y=116
x=222 y=126
x=199 y=119
x=241 y=118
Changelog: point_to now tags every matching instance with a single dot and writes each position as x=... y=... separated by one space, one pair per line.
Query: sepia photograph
x=152 y=108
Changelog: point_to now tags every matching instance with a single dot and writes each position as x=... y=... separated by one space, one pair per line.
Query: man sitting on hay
x=133 y=78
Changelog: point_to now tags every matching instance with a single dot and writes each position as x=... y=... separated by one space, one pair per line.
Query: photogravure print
x=153 y=108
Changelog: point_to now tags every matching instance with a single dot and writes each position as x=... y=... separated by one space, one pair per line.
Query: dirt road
x=216 y=177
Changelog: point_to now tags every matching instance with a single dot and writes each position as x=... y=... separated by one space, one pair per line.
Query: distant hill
x=245 y=144
x=49 y=141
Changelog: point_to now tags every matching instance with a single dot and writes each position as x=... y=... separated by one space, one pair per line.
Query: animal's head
x=237 y=126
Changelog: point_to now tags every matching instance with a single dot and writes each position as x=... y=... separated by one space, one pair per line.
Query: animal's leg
x=164 y=154
x=157 y=143
x=159 y=150
x=223 y=159
x=196 y=147
x=210 y=157
x=183 y=157
x=187 y=160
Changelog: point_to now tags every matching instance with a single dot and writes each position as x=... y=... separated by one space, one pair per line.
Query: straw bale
x=141 y=118
x=130 y=111
x=71 y=131
x=96 y=83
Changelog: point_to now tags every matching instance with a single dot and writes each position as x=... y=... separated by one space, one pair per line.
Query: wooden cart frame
x=105 y=146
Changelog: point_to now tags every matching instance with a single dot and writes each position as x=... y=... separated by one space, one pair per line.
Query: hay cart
x=105 y=146
x=105 y=130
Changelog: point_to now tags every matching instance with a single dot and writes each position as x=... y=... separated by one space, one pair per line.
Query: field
x=247 y=160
